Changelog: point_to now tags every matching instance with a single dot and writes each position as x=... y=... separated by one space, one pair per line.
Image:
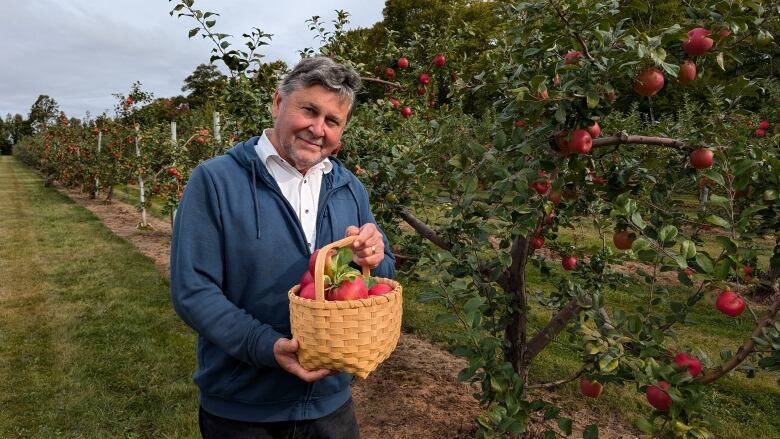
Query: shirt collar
x=266 y=151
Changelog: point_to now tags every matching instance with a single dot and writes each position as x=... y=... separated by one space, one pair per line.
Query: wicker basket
x=351 y=336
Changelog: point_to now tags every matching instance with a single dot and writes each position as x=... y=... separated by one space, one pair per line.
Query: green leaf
x=719 y=59
x=591 y=432
x=473 y=304
x=194 y=31
x=667 y=233
x=640 y=244
x=718 y=221
x=705 y=262
x=645 y=426
x=445 y=319
x=636 y=218
x=565 y=425
x=723 y=268
x=688 y=249
x=715 y=176
x=593 y=99
x=727 y=244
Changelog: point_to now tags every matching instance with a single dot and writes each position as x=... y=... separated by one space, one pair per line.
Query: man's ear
x=276 y=105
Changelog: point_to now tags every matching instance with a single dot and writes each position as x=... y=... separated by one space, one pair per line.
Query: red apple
x=571 y=57
x=537 y=242
x=701 y=158
x=550 y=218
x=623 y=239
x=764 y=124
x=425 y=79
x=580 y=142
x=439 y=60
x=688 y=271
x=350 y=290
x=406 y=112
x=648 y=82
x=421 y=91
x=687 y=72
x=591 y=389
x=379 y=289
x=307 y=291
x=394 y=102
x=730 y=303
x=611 y=96
x=389 y=72
x=657 y=396
x=569 y=262
x=747 y=269
x=555 y=197
x=519 y=123
x=403 y=62
x=698 y=42
x=556 y=80
x=594 y=130
x=328 y=270
x=542 y=95
x=760 y=133
x=306 y=279
x=684 y=359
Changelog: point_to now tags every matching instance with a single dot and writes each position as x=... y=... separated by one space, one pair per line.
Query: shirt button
x=304 y=181
x=307 y=211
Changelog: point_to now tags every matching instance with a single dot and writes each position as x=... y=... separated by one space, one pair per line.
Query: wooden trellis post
x=140 y=178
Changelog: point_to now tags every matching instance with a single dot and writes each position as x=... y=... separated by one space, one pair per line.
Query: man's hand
x=285 y=353
x=369 y=248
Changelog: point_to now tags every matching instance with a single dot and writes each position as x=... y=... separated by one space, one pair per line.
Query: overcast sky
x=79 y=52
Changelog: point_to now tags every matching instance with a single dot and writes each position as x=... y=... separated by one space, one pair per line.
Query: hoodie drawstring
x=254 y=196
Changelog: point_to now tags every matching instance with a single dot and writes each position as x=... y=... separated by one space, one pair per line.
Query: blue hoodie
x=237 y=248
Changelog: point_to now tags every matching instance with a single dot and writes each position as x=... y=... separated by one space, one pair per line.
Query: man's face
x=308 y=124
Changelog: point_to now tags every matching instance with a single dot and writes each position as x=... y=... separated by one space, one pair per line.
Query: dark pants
x=341 y=424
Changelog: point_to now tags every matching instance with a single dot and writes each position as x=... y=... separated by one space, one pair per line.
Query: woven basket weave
x=352 y=336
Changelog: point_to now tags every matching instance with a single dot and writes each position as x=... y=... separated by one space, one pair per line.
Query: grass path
x=89 y=345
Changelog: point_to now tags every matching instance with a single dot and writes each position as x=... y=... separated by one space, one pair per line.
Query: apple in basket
x=349 y=290
x=379 y=289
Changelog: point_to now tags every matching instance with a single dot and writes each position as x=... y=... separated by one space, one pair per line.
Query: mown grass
x=744 y=407
x=89 y=343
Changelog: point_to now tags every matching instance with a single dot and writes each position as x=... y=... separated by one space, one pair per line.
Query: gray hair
x=321 y=70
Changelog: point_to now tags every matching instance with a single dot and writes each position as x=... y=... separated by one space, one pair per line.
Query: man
x=242 y=238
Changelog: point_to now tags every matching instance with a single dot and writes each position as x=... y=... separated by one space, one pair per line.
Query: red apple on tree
x=572 y=57
x=760 y=133
x=402 y=62
x=425 y=79
x=730 y=303
x=684 y=359
x=648 y=82
x=406 y=112
x=657 y=396
x=389 y=72
x=594 y=130
x=581 y=142
x=569 y=262
x=394 y=102
x=764 y=124
x=439 y=60
x=591 y=389
x=687 y=72
x=537 y=242
x=698 y=42
x=623 y=239
x=555 y=197
x=701 y=158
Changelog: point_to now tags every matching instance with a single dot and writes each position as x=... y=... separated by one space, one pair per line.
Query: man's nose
x=317 y=127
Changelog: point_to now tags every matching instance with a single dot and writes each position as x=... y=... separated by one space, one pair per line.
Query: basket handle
x=319 y=266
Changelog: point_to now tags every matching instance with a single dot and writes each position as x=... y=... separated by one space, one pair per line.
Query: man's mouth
x=312 y=143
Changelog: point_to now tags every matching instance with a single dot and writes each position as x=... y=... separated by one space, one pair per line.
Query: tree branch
x=624 y=138
x=381 y=81
x=425 y=230
x=577 y=35
x=744 y=350
x=548 y=333
x=552 y=384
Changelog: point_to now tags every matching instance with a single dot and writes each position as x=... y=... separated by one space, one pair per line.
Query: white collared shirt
x=301 y=191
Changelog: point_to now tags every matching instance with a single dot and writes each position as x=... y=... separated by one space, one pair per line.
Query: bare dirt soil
x=413 y=394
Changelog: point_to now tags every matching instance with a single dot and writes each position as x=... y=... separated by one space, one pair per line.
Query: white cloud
x=80 y=52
